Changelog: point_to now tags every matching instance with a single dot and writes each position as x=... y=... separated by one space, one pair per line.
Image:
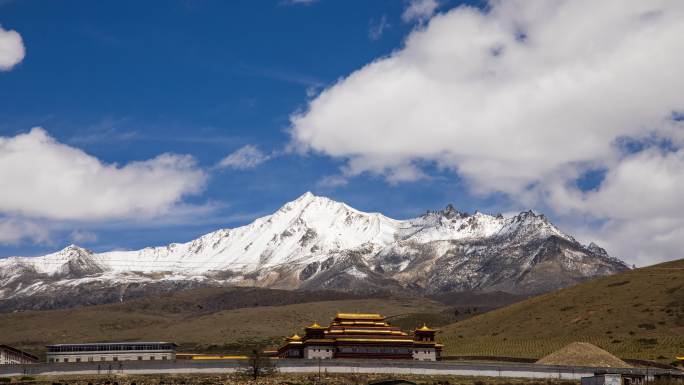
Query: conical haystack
x=583 y=354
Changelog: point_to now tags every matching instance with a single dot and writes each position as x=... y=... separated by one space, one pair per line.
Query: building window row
x=92 y=359
x=105 y=348
x=374 y=349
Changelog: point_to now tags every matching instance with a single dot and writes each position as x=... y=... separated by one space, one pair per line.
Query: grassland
x=638 y=314
x=194 y=320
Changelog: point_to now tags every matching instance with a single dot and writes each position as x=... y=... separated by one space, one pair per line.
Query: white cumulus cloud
x=83 y=236
x=246 y=157
x=12 y=49
x=640 y=201
x=16 y=230
x=419 y=10
x=332 y=181
x=42 y=178
x=520 y=98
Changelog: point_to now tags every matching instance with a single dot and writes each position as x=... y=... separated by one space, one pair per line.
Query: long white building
x=111 y=351
x=10 y=356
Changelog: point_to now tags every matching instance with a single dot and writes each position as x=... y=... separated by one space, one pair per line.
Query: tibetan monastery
x=353 y=335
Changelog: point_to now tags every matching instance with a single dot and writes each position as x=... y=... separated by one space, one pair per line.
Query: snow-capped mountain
x=314 y=243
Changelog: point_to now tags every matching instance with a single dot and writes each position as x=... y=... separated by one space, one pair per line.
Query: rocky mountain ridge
x=316 y=243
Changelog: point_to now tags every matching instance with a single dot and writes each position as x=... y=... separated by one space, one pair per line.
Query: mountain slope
x=635 y=314
x=317 y=243
x=226 y=320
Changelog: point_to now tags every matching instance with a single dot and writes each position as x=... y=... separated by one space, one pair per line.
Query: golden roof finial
x=424 y=328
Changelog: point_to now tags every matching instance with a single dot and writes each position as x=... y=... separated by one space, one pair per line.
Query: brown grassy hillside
x=198 y=320
x=637 y=314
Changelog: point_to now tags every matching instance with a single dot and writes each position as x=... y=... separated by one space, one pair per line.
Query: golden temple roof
x=389 y=341
x=424 y=328
x=363 y=316
x=364 y=323
x=365 y=331
x=295 y=337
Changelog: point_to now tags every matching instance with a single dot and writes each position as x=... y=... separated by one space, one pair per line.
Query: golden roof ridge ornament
x=315 y=325
x=424 y=328
x=359 y=316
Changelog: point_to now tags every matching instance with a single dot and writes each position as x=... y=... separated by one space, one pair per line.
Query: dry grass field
x=179 y=319
x=637 y=314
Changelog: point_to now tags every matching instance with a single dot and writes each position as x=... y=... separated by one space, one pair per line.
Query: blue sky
x=126 y=81
x=397 y=106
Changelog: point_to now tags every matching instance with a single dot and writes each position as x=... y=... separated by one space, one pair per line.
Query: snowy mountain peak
x=307 y=196
x=305 y=200
x=594 y=248
x=70 y=261
x=529 y=214
x=530 y=217
x=450 y=212
x=528 y=225
x=73 y=251
x=315 y=242
x=309 y=202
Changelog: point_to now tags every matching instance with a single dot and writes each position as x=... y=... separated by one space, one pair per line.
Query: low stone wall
x=508 y=370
